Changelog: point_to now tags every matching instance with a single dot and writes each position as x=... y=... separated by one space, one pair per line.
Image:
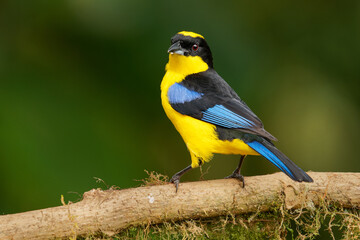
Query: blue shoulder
x=178 y=93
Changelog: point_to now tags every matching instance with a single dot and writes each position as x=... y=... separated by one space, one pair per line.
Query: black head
x=191 y=44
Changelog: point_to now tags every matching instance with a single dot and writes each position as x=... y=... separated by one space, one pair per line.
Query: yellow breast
x=200 y=137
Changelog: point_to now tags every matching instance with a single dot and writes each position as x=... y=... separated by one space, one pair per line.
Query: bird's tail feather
x=271 y=153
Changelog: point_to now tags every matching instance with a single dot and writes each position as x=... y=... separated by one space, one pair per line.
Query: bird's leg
x=236 y=174
x=176 y=178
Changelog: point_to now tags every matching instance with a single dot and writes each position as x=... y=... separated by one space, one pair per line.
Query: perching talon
x=176 y=178
x=237 y=176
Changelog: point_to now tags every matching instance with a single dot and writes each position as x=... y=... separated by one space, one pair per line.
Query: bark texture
x=112 y=210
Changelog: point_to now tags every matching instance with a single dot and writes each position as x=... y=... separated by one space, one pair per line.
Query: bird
x=208 y=113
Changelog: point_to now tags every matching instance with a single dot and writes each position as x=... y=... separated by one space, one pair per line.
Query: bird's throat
x=186 y=65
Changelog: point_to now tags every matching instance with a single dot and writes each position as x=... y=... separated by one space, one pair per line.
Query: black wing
x=206 y=96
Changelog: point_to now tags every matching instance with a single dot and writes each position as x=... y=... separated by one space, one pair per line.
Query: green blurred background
x=80 y=95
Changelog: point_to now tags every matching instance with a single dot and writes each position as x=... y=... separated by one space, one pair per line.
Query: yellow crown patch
x=190 y=34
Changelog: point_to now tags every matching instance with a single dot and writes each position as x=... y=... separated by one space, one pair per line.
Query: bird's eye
x=195 y=47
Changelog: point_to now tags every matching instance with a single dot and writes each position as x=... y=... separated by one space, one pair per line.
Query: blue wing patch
x=177 y=93
x=261 y=149
x=222 y=116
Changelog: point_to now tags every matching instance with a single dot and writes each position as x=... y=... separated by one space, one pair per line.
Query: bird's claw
x=175 y=180
x=237 y=176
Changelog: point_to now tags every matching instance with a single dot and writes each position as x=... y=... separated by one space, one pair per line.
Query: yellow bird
x=209 y=115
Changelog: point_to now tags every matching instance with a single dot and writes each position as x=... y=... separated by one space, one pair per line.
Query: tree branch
x=112 y=210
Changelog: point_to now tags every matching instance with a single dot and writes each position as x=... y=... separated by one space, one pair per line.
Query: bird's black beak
x=177 y=49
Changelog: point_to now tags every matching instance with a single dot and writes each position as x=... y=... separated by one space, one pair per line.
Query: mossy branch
x=113 y=210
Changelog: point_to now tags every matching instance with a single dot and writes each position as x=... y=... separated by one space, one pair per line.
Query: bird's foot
x=237 y=176
x=175 y=180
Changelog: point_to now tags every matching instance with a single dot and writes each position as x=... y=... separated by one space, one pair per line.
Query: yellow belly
x=200 y=137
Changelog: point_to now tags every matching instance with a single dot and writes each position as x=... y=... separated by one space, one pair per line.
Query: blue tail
x=281 y=161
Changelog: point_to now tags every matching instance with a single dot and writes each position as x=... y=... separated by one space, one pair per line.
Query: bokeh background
x=80 y=95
